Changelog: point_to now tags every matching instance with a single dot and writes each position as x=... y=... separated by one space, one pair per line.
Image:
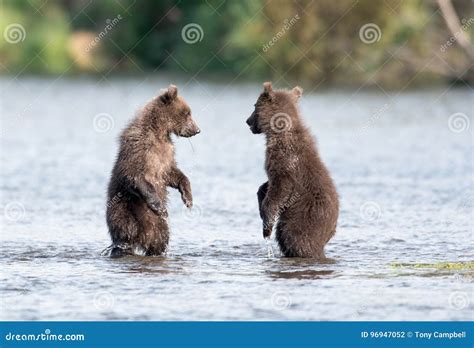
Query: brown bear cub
x=300 y=193
x=145 y=167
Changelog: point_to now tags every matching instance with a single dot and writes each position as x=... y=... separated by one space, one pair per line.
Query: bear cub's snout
x=189 y=130
x=252 y=121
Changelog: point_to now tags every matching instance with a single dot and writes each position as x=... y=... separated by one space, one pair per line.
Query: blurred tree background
x=313 y=42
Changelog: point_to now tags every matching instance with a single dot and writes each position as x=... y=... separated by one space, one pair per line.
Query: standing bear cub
x=145 y=167
x=300 y=192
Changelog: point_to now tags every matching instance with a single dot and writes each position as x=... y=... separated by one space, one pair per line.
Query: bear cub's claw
x=187 y=199
x=188 y=202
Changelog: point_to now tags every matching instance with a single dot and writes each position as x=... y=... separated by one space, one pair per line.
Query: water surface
x=404 y=177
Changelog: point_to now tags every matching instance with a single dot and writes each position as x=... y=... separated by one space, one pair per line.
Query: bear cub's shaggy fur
x=299 y=193
x=145 y=167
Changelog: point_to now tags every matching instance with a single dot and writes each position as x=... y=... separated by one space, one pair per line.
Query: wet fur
x=300 y=196
x=145 y=167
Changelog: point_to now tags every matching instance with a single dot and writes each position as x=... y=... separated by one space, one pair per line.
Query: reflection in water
x=147 y=270
x=306 y=274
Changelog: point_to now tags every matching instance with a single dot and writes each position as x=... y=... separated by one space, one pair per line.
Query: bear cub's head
x=178 y=113
x=275 y=111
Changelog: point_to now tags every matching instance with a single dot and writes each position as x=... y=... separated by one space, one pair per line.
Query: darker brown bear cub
x=300 y=192
x=145 y=166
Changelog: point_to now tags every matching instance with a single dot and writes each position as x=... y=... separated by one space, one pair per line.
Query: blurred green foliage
x=314 y=42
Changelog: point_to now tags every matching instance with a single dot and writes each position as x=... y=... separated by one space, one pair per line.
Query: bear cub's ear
x=297 y=92
x=267 y=87
x=268 y=90
x=170 y=94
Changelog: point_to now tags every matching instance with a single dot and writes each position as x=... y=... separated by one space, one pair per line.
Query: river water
x=403 y=166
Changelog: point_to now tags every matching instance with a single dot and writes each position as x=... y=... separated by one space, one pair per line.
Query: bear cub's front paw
x=187 y=200
x=267 y=232
x=155 y=206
